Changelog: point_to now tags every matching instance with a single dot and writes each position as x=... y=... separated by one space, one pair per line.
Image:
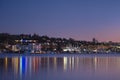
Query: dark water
x=65 y=67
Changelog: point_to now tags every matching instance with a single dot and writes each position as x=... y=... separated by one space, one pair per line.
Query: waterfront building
x=15 y=48
x=71 y=48
x=31 y=48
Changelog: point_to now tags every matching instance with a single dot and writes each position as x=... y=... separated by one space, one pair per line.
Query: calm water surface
x=65 y=67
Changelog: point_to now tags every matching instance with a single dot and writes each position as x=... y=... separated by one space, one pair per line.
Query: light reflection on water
x=60 y=68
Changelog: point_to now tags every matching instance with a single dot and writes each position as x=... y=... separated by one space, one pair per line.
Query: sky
x=78 y=19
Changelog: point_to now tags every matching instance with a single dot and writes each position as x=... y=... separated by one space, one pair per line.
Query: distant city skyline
x=81 y=20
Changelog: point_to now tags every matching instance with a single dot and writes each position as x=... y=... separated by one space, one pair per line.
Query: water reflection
x=22 y=66
x=15 y=65
x=35 y=67
x=65 y=63
x=6 y=62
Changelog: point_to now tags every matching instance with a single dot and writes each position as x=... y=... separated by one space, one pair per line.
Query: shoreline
x=3 y=55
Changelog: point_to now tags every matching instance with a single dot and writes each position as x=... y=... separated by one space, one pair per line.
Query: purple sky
x=78 y=19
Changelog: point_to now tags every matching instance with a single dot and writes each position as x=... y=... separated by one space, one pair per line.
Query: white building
x=31 y=48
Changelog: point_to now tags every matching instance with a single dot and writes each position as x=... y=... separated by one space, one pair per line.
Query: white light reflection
x=70 y=62
x=95 y=63
x=73 y=63
x=65 y=63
